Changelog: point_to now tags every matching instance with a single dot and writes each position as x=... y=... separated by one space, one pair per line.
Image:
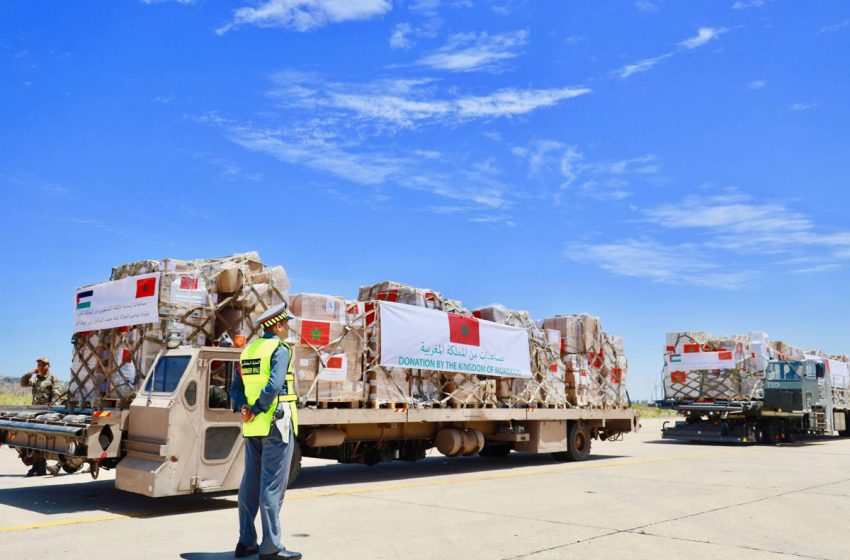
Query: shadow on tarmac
x=334 y=474
x=54 y=497
x=206 y=555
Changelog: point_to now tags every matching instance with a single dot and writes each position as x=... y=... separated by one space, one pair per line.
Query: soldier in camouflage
x=44 y=391
x=44 y=386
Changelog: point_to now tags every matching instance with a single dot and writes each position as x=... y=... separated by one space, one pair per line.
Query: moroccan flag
x=616 y=375
x=84 y=299
x=188 y=283
x=724 y=355
x=317 y=333
x=690 y=348
x=145 y=287
x=463 y=330
x=678 y=377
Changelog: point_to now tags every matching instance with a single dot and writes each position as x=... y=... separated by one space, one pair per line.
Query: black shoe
x=243 y=551
x=37 y=470
x=281 y=555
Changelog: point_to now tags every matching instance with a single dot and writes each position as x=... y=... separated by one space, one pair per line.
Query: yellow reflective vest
x=256 y=369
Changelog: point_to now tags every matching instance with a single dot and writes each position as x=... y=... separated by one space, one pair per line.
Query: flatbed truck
x=179 y=435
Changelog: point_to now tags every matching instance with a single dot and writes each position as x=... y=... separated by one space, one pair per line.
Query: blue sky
x=664 y=165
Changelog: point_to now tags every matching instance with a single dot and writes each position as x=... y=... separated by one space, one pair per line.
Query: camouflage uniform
x=44 y=389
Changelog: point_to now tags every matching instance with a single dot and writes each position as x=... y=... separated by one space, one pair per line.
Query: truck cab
x=182 y=436
x=792 y=386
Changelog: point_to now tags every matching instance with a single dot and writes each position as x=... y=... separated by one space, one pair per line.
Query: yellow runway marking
x=377 y=488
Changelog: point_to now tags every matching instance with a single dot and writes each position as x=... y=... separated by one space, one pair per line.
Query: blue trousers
x=263 y=486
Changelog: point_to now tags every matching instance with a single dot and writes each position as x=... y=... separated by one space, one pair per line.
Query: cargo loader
x=790 y=398
x=179 y=435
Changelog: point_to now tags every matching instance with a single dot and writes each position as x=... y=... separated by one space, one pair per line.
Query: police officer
x=264 y=395
x=44 y=392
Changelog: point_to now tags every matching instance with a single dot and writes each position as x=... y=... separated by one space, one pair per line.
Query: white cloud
x=658 y=262
x=747 y=4
x=400 y=39
x=646 y=6
x=465 y=52
x=304 y=15
x=642 y=65
x=803 y=106
x=424 y=5
x=405 y=103
x=603 y=180
x=836 y=26
x=511 y=102
x=756 y=84
x=362 y=168
x=476 y=187
x=742 y=223
x=703 y=36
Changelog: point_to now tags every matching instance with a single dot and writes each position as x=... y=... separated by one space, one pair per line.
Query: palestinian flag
x=145 y=287
x=464 y=330
x=317 y=333
x=84 y=299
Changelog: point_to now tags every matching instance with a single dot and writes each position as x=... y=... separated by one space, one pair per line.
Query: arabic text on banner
x=422 y=338
x=120 y=303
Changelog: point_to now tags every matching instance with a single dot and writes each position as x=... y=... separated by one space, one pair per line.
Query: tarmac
x=640 y=498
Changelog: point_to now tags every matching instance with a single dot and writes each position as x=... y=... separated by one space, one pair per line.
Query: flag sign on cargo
x=678 y=377
x=317 y=333
x=336 y=366
x=84 y=299
x=464 y=330
x=121 y=303
x=691 y=361
x=422 y=338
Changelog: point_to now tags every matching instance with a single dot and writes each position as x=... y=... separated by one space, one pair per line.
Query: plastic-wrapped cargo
x=336 y=343
x=404 y=293
x=703 y=366
x=595 y=360
x=199 y=301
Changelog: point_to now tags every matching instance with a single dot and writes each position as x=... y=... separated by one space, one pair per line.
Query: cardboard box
x=318 y=306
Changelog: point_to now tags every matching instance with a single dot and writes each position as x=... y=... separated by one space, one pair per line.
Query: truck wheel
x=578 y=442
x=294 y=465
x=71 y=464
x=768 y=434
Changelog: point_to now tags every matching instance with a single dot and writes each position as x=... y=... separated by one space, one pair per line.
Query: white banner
x=121 y=303
x=691 y=361
x=422 y=338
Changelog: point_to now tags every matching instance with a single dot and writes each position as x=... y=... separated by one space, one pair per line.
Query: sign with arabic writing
x=421 y=338
x=120 y=303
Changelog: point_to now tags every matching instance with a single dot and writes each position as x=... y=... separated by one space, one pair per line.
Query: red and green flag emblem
x=464 y=330
x=317 y=333
x=145 y=287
